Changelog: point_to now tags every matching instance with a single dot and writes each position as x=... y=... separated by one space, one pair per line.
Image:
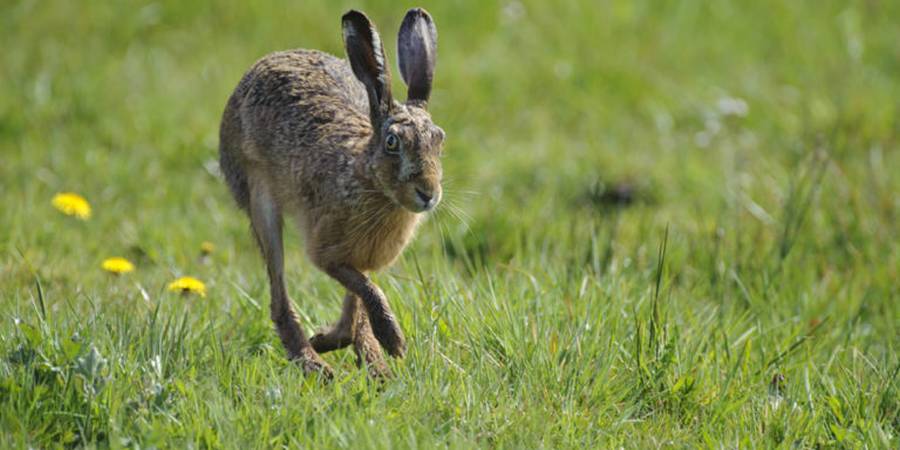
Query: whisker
x=459 y=214
x=439 y=224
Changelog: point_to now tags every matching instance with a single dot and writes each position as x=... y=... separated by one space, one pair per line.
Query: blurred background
x=762 y=135
x=548 y=106
x=553 y=110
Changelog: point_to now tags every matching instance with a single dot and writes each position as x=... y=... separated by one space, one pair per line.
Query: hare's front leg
x=266 y=219
x=368 y=352
x=339 y=335
x=384 y=324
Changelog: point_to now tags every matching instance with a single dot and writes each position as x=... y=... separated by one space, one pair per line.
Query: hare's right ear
x=367 y=60
x=417 y=46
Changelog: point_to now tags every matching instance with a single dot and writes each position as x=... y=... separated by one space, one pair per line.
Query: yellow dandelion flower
x=72 y=205
x=117 y=265
x=188 y=285
x=207 y=247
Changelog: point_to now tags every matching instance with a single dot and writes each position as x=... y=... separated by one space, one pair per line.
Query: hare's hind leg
x=266 y=218
x=354 y=328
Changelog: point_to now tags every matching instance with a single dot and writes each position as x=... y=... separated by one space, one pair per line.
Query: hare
x=322 y=139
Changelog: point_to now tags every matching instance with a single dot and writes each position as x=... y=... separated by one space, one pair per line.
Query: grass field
x=667 y=224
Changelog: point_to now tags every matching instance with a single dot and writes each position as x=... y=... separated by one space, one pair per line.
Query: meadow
x=666 y=225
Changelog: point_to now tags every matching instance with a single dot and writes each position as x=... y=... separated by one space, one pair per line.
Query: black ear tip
x=416 y=13
x=354 y=16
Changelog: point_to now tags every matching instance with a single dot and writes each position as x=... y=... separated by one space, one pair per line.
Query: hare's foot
x=312 y=363
x=298 y=348
x=388 y=333
x=368 y=352
x=368 y=355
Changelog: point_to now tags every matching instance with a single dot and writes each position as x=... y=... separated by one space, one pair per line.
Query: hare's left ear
x=417 y=46
x=366 y=55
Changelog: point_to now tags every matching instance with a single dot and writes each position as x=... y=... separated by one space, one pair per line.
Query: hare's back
x=307 y=85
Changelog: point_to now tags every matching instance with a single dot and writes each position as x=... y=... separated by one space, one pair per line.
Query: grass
x=667 y=224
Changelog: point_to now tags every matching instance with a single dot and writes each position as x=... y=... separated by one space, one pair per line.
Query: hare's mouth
x=419 y=199
x=414 y=197
x=426 y=200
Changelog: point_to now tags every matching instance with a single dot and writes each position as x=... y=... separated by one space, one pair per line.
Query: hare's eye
x=392 y=144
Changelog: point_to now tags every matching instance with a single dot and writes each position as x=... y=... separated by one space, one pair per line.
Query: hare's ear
x=417 y=45
x=367 y=60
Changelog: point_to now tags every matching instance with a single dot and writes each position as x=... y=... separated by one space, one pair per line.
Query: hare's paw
x=313 y=364
x=388 y=333
x=368 y=355
x=379 y=370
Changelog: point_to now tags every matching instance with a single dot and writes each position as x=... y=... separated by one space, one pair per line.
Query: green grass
x=539 y=313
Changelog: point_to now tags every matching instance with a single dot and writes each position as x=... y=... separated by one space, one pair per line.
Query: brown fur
x=309 y=135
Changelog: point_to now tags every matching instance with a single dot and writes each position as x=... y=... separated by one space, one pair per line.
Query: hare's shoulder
x=304 y=76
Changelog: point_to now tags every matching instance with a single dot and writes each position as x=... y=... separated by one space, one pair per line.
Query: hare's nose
x=424 y=197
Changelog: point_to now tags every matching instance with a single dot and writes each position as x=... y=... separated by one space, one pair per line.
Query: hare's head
x=406 y=144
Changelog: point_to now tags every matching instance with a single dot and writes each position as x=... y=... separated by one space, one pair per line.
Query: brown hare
x=322 y=139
